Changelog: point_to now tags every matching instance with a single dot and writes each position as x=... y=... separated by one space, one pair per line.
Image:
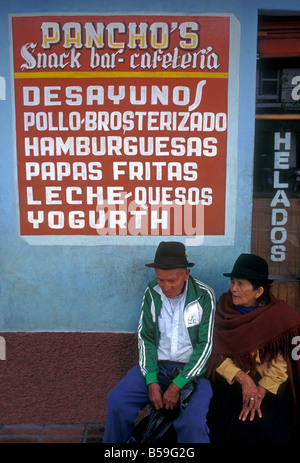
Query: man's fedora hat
x=170 y=255
x=250 y=267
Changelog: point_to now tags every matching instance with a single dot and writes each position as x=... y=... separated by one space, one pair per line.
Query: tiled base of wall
x=90 y=433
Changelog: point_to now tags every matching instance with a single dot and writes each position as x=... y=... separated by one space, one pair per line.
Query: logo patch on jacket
x=193 y=314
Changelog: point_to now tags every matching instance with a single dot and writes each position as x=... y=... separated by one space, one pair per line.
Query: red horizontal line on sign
x=133 y=74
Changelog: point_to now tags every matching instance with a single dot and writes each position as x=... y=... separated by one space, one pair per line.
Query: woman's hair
x=266 y=286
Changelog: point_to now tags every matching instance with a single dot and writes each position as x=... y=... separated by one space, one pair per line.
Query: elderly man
x=175 y=331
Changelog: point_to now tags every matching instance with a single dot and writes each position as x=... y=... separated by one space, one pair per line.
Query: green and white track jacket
x=199 y=312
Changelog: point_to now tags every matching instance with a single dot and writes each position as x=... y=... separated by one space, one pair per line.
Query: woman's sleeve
x=228 y=370
x=273 y=373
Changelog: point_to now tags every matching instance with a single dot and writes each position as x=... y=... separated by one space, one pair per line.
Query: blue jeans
x=130 y=396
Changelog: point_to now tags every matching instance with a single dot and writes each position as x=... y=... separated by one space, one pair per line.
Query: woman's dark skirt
x=275 y=426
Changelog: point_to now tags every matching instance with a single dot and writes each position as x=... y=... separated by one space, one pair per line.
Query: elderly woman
x=256 y=377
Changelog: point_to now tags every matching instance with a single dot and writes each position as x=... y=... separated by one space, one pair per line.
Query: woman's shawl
x=270 y=329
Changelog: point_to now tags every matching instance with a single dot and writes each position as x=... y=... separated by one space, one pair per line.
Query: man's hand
x=171 y=397
x=168 y=400
x=155 y=394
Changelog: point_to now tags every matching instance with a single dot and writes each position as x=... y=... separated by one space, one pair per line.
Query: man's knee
x=114 y=398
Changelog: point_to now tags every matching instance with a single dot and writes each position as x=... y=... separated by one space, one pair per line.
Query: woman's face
x=243 y=293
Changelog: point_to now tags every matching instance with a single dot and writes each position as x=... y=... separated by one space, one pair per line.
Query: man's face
x=172 y=281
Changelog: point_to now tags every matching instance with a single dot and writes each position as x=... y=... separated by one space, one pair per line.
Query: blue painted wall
x=99 y=288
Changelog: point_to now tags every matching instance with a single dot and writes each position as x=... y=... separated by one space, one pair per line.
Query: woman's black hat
x=170 y=255
x=250 y=267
